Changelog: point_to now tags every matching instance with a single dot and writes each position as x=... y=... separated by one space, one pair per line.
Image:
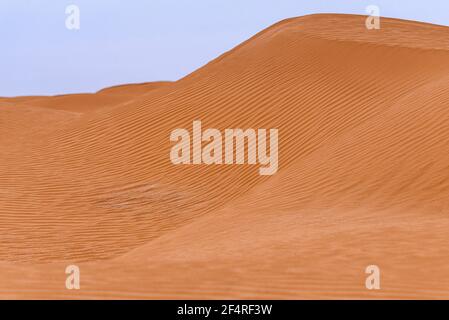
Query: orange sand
x=363 y=179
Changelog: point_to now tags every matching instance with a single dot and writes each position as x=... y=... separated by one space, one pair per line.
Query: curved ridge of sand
x=363 y=175
x=85 y=102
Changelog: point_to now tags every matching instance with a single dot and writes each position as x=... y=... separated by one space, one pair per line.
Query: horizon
x=112 y=46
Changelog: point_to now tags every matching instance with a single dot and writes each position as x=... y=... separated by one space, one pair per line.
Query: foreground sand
x=364 y=156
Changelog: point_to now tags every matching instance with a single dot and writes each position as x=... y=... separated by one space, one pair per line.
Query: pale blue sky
x=147 y=40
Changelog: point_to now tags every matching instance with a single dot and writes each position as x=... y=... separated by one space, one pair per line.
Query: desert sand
x=363 y=119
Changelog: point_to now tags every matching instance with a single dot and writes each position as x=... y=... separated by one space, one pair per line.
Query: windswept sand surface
x=363 y=119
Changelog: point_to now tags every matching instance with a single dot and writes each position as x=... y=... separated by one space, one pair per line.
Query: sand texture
x=363 y=119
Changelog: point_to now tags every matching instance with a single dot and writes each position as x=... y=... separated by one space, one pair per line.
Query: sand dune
x=363 y=179
x=87 y=102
